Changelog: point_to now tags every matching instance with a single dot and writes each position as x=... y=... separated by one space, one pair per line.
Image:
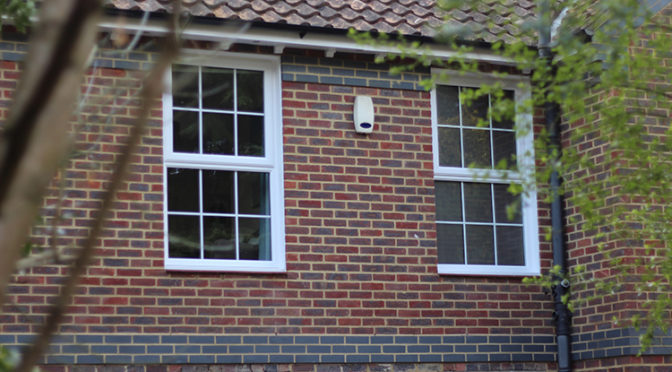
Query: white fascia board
x=230 y=33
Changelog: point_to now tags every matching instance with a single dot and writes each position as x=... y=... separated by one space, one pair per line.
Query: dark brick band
x=192 y=349
x=249 y=349
x=336 y=71
x=617 y=342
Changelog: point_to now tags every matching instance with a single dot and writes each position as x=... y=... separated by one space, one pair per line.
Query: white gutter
x=228 y=34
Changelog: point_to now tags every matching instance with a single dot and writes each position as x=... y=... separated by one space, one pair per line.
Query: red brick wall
x=360 y=217
x=604 y=338
x=652 y=363
x=361 y=256
x=360 y=239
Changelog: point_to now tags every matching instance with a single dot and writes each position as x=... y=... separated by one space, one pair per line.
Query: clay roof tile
x=410 y=17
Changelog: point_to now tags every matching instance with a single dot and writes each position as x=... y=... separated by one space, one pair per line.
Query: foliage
x=19 y=12
x=615 y=162
x=609 y=74
x=9 y=359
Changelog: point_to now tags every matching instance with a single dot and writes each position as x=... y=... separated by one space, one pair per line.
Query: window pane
x=217 y=88
x=504 y=199
x=510 y=246
x=219 y=240
x=185 y=131
x=183 y=237
x=448 y=201
x=251 y=135
x=250 y=91
x=506 y=123
x=504 y=147
x=182 y=190
x=450 y=244
x=255 y=239
x=480 y=247
x=447 y=105
x=217 y=134
x=185 y=86
x=449 y=147
x=218 y=191
x=475 y=111
x=476 y=148
x=253 y=193
x=477 y=202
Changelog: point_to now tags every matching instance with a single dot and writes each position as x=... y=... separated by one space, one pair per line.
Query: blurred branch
x=36 y=139
x=151 y=90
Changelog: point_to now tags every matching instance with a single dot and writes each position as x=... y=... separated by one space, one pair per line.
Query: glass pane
x=476 y=110
x=218 y=191
x=217 y=88
x=450 y=244
x=504 y=148
x=447 y=105
x=506 y=123
x=182 y=190
x=219 y=240
x=185 y=86
x=477 y=202
x=504 y=199
x=480 y=247
x=449 y=147
x=217 y=134
x=183 y=237
x=250 y=91
x=253 y=193
x=185 y=131
x=255 y=239
x=448 y=201
x=251 y=135
x=476 y=148
x=510 y=249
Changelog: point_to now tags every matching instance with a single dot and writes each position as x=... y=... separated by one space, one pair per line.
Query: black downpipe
x=561 y=316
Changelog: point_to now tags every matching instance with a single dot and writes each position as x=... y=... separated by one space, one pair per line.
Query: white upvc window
x=475 y=234
x=223 y=199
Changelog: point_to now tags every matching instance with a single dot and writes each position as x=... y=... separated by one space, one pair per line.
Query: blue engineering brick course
x=189 y=349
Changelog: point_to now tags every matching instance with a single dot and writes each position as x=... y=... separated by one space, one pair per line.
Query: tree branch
x=151 y=89
x=36 y=137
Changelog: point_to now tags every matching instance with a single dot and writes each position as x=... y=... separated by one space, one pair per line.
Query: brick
x=330 y=241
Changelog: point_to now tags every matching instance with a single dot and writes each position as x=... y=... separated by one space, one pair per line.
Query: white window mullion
x=235 y=113
x=459 y=109
x=491 y=135
x=236 y=212
x=200 y=109
x=464 y=224
x=201 y=220
x=494 y=221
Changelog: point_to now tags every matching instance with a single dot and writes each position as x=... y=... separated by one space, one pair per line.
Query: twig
x=134 y=41
x=52 y=245
x=54 y=254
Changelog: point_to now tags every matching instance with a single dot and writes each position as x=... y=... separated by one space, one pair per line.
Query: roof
x=409 y=17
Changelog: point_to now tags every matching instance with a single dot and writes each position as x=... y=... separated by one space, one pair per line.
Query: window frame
x=271 y=162
x=525 y=163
